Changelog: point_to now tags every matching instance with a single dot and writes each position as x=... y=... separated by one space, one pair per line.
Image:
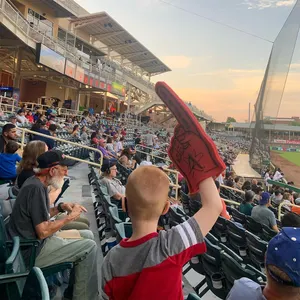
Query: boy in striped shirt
x=148 y=265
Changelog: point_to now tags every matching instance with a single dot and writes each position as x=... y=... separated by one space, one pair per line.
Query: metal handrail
x=176 y=185
x=153 y=155
x=61 y=111
x=157 y=150
x=231 y=202
x=63 y=141
x=282 y=204
x=232 y=189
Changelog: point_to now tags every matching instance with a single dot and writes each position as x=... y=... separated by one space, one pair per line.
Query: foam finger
x=179 y=109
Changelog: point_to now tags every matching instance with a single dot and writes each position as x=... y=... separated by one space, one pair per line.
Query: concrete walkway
x=80 y=192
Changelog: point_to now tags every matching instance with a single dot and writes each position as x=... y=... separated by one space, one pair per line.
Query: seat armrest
x=9 y=278
x=50 y=270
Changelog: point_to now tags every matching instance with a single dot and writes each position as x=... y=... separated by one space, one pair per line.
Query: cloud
x=177 y=62
x=263 y=4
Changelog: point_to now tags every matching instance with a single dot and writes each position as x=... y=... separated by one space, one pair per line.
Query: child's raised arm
x=211 y=205
x=196 y=157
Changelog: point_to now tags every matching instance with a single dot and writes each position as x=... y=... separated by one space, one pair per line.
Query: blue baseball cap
x=284 y=253
x=108 y=163
x=264 y=198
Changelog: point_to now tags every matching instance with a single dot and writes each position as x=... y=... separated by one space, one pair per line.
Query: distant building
x=284 y=121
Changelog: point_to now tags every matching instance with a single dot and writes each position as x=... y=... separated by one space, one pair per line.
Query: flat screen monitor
x=49 y=58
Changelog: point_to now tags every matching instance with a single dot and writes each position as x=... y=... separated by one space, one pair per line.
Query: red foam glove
x=191 y=150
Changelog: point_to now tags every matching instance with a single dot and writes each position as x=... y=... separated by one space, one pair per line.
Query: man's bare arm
x=47 y=228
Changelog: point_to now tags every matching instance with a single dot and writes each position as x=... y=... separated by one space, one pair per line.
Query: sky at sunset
x=215 y=67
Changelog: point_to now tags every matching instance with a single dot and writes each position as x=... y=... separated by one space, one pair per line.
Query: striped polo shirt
x=150 y=268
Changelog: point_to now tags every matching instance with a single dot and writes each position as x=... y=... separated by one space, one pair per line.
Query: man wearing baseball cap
x=114 y=186
x=262 y=214
x=30 y=219
x=282 y=270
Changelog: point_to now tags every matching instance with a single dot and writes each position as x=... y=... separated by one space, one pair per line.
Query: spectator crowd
x=37 y=176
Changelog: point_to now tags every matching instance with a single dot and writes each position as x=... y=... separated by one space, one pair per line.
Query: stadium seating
x=253 y=226
x=25 y=286
x=256 y=249
x=16 y=260
x=238 y=217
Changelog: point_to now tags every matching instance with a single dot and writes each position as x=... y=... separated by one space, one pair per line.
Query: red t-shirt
x=151 y=268
x=30 y=118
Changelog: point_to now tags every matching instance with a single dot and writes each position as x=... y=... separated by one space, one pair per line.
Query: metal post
x=129 y=101
x=23 y=140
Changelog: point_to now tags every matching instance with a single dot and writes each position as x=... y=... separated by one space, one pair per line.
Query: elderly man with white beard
x=30 y=219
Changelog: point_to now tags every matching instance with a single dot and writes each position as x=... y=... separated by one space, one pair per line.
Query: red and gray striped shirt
x=151 y=268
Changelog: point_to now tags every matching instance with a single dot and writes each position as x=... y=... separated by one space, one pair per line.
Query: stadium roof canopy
x=110 y=33
x=63 y=8
x=276 y=127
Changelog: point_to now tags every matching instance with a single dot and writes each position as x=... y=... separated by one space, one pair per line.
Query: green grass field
x=293 y=157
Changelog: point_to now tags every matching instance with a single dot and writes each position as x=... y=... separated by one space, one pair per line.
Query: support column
x=129 y=101
x=289 y=135
x=118 y=105
x=105 y=100
x=17 y=69
x=66 y=93
x=77 y=101
x=87 y=103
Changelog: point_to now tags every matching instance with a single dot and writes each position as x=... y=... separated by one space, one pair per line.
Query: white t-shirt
x=110 y=147
x=149 y=139
x=119 y=146
x=21 y=119
x=277 y=176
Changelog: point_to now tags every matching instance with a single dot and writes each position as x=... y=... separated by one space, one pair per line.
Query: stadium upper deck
x=57 y=49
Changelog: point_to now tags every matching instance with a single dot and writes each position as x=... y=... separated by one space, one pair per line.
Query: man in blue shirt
x=282 y=270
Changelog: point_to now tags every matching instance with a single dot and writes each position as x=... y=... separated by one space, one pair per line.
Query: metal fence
x=272 y=88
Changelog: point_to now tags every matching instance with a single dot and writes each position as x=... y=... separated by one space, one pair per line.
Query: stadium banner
x=79 y=74
x=86 y=77
x=96 y=83
x=102 y=85
x=70 y=69
x=279 y=141
x=91 y=83
x=49 y=58
x=289 y=142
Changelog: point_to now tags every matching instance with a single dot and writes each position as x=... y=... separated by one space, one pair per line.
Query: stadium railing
x=23 y=143
x=153 y=152
x=280 y=214
x=284 y=185
x=9 y=107
x=12 y=107
x=232 y=189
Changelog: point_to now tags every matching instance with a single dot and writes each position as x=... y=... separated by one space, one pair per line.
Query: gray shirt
x=246 y=289
x=263 y=215
x=149 y=139
x=114 y=186
x=84 y=137
x=30 y=209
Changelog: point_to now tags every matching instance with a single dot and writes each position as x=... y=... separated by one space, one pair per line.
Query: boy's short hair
x=52 y=127
x=290 y=219
x=147 y=193
x=11 y=147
